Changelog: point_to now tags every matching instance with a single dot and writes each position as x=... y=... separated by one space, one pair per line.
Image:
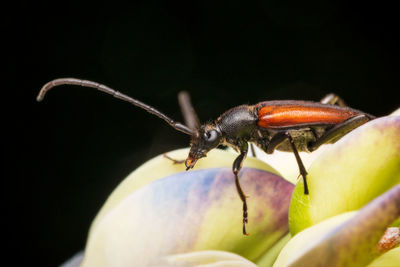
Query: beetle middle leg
x=237 y=165
x=253 y=150
x=276 y=141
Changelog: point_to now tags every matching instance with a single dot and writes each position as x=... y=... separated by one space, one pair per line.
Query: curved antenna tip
x=40 y=96
x=44 y=90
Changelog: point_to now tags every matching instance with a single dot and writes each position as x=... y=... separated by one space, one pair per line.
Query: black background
x=66 y=154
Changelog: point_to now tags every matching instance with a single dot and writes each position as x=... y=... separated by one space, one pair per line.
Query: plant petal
x=389 y=259
x=187 y=212
x=349 y=239
x=270 y=256
x=298 y=245
x=395 y=113
x=160 y=167
x=208 y=258
x=360 y=166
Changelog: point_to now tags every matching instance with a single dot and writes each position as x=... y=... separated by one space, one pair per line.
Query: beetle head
x=203 y=140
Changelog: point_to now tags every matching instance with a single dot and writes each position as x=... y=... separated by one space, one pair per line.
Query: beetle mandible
x=286 y=125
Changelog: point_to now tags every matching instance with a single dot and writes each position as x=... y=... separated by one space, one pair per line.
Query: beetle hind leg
x=338 y=131
x=333 y=99
x=302 y=169
x=276 y=141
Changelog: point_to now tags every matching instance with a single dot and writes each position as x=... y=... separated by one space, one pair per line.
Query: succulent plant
x=163 y=216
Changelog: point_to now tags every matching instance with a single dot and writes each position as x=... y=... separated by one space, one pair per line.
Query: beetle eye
x=211 y=135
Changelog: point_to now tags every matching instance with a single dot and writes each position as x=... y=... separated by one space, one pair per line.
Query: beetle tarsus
x=305 y=186
x=243 y=198
x=245 y=218
x=237 y=165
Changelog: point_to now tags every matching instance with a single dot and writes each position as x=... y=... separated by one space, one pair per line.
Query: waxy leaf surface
x=359 y=167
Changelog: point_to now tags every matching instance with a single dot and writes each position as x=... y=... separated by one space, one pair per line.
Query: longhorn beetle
x=285 y=125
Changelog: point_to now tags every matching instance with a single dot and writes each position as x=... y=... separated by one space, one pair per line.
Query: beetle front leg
x=237 y=165
x=276 y=141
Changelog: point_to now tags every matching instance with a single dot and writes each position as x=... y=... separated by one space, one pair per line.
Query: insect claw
x=244 y=229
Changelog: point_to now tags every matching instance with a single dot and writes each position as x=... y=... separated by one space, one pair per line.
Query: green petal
x=349 y=239
x=187 y=212
x=270 y=257
x=389 y=259
x=360 y=166
x=297 y=246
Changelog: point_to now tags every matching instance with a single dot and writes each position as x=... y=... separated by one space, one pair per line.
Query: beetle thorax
x=237 y=124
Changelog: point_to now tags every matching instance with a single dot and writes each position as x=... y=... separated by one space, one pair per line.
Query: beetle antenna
x=101 y=87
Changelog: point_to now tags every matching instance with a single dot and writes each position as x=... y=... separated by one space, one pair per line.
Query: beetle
x=286 y=125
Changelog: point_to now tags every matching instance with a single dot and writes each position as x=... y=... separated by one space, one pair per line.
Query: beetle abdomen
x=295 y=113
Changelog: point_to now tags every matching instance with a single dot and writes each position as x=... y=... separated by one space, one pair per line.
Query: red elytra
x=299 y=112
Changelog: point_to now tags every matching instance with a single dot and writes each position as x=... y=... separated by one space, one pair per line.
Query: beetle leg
x=338 y=131
x=174 y=161
x=303 y=171
x=333 y=100
x=188 y=112
x=278 y=139
x=237 y=165
x=253 y=150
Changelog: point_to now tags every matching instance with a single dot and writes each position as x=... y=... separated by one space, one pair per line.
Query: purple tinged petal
x=192 y=211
